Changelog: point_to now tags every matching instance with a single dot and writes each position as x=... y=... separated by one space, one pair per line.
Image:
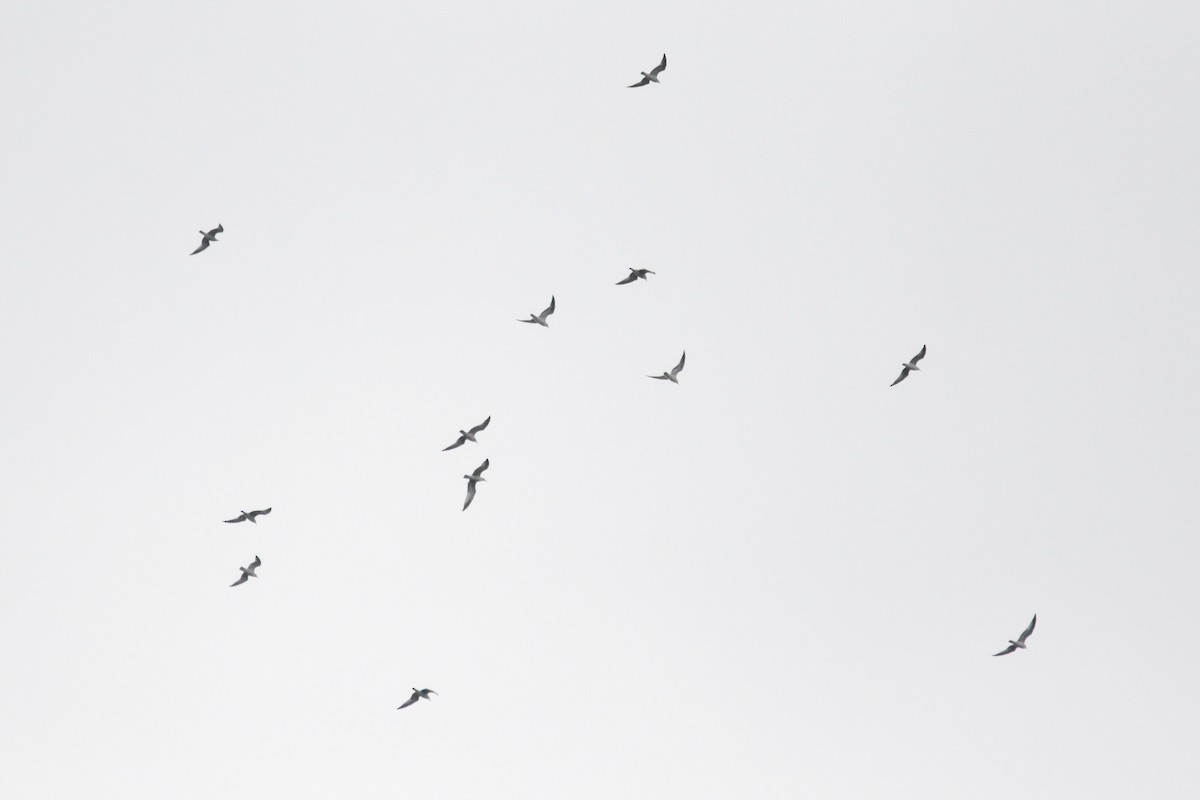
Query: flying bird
x=634 y=274
x=248 y=572
x=540 y=319
x=472 y=479
x=417 y=695
x=672 y=376
x=911 y=365
x=652 y=75
x=209 y=237
x=249 y=515
x=468 y=436
x=1020 y=642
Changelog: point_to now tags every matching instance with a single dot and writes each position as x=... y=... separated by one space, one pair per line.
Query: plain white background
x=780 y=578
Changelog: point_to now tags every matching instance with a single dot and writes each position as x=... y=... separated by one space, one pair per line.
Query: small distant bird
x=417 y=695
x=634 y=274
x=540 y=319
x=472 y=479
x=652 y=75
x=910 y=366
x=248 y=572
x=249 y=515
x=468 y=436
x=672 y=376
x=211 y=236
x=1020 y=642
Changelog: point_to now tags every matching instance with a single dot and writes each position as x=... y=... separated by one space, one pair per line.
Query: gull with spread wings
x=209 y=237
x=249 y=515
x=417 y=695
x=673 y=375
x=634 y=274
x=540 y=319
x=474 y=478
x=468 y=436
x=910 y=365
x=248 y=572
x=652 y=75
x=1020 y=642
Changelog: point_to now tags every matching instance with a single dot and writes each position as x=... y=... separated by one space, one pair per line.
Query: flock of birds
x=464 y=436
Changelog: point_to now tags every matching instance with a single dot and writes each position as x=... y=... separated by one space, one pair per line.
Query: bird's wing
x=549 y=310
x=203 y=246
x=482 y=467
x=416 y=696
x=470 y=494
x=662 y=65
x=1028 y=630
x=480 y=426
x=238 y=518
x=260 y=513
x=632 y=277
x=659 y=377
x=239 y=580
x=461 y=441
x=257 y=563
x=679 y=367
x=1006 y=650
x=919 y=355
x=903 y=375
x=531 y=319
x=642 y=82
x=216 y=230
x=430 y=691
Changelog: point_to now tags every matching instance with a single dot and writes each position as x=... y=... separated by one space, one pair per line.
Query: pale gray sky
x=779 y=579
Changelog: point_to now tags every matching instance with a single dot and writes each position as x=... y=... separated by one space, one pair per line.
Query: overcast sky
x=781 y=578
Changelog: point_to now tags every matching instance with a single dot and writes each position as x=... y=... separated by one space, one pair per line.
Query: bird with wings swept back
x=209 y=237
x=652 y=75
x=673 y=375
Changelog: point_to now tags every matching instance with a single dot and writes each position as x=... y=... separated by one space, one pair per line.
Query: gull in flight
x=417 y=695
x=211 y=236
x=911 y=365
x=671 y=376
x=472 y=479
x=249 y=515
x=468 y=436
x=652 y=75
x=634 y=274
x=248 y=572
x=1020 y=642
x=540 y=319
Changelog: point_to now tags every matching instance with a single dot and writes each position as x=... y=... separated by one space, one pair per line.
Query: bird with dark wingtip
x=209 y=237
x=1020 y=642
x=540 y=319
x=651 y=76
x=249 y=516
x=673 y=375
x=473 y=479
x=634 y=274
x=910 y=365
x=248 y=572
x=468 y=436
x=417 y=695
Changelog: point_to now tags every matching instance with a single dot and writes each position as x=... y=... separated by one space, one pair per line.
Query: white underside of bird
x=1019 y=644
x=248 y=572
x=540 y=319
x=473 y=479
